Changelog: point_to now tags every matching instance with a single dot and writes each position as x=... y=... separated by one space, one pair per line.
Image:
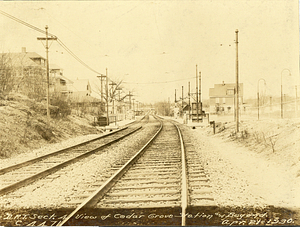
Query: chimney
x=23 y=49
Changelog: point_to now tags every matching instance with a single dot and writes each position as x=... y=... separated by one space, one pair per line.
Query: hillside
x=24 y=127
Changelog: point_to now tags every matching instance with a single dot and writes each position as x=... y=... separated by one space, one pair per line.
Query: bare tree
x=31 y=80
x=17 y=75
x=114 y=93
x=6 y=74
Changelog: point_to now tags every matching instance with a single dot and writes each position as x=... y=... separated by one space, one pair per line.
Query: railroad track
x=22 y=174
x=165 y=173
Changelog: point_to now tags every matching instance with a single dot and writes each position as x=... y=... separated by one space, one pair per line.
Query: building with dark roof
x=222 y=97
x=27 y=71
x=24 y=59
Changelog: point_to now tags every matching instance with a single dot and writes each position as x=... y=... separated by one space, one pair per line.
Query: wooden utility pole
x=101 y=90
x=237 y=81
x=189 y=100
x=169 y=105
x=119 y=106
x=133 y=106
x=296 y=103
x=113 y=96
x=130 y=100
x=182 y=98
x=200 y=102
x=197 y=107
x=107 y=114
x=47 y=68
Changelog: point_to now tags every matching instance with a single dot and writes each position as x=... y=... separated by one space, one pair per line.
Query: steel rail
x=98 y=194
x=29 y=162
x=60 y=166
x=184 y=181
x=184 y=184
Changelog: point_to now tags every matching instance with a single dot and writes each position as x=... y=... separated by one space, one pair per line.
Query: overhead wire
x=161 y=82
x=58 y=40
x=24 y=23
x=76 y=57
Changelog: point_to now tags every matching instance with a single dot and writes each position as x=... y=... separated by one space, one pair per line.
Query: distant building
x=81 y=99
x=59 y=84
x=24 y=60
x=222 y=98
x=28 y=70
x=81 y=90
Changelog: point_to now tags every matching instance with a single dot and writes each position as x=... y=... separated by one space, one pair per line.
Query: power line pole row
x=101 y=76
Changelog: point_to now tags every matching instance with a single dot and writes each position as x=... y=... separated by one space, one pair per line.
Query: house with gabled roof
x=30 y=74
x=25 y=59
x=222 y=97
x=28 y=71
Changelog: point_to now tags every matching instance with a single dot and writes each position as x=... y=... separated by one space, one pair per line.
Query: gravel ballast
x=62 y=187
x=240 y=177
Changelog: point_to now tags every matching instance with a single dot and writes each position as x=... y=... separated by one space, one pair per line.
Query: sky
x=154 y=46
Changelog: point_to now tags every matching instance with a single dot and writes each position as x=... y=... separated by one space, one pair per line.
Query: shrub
x=63 y=106
x=7 y=147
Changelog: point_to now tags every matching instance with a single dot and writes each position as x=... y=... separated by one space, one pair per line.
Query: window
x=62 y=82
x=230 y=92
